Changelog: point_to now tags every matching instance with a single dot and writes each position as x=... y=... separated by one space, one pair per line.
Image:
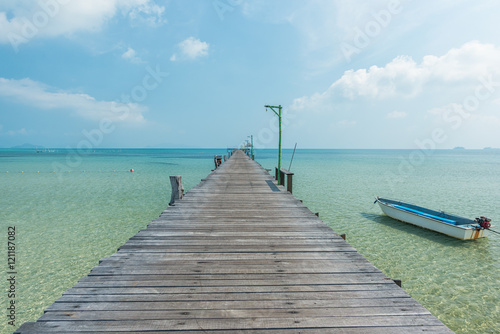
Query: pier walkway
x=237 y=255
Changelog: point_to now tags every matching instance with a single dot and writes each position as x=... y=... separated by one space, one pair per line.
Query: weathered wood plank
x=233 y=304
x=207 y=248
x=340 y=267
x=45 y=328
x=230 y=323
x=132 y=313
x=132 y=290
x=216 y=258
x=244 y=279
x=338 y=296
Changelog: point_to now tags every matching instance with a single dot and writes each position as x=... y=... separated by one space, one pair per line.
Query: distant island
x=459 y=148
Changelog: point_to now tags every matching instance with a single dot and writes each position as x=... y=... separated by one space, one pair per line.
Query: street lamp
x=279 y=146
x=252 y=153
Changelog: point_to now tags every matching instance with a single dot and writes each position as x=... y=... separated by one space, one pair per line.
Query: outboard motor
x=483 y=222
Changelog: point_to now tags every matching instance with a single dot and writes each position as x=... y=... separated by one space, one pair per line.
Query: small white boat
x=449 y=224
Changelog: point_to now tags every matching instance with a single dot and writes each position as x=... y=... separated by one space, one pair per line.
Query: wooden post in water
x=217 y=160
x=280 y=176
x=289 y=183
x=177 y=189
x=289 y=178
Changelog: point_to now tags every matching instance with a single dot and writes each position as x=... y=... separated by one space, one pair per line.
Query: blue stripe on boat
x=444 y=220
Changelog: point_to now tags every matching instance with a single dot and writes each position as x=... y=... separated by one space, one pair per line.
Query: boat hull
x=460 y=232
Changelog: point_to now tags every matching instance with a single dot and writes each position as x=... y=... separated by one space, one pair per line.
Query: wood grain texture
x=236 y=255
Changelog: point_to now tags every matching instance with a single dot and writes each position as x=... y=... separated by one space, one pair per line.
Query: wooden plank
x=215 y=258
x=260 y=289
x=43 y=328
x=116 y=282
x=230 y=323
x=243 y=279
x=338 y=296
x=234 y=256
x=238 y=313
x=340 y=267
x=228 y=249
x=230 y=304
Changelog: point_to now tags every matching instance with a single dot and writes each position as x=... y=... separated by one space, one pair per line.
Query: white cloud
x=403 y=77
x=324 y=26
x=131 y=55
x=30 y=19
x=41 y=96
x=148 y=13
x=438 y=111
x=191 y=48
x=457 y=91
x=346 y=123
x=396 y=114
x=22 y=132
x=386 y=26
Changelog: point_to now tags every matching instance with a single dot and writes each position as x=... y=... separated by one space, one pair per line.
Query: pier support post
x=280 y=176
x=289 y=183
x=217 y=160
x=177 y=189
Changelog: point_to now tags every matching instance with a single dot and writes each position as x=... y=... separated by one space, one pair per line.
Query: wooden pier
x=237 y=254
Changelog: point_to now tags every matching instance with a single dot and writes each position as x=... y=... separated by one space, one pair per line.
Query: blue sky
x=197 y=73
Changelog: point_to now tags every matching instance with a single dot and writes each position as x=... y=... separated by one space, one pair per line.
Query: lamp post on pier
x=253 y=154
x=251 y=143
x=279 y=145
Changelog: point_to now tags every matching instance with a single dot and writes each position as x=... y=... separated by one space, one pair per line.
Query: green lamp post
x=279 y=145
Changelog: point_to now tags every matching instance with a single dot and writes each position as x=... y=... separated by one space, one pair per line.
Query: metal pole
x=251 y=137
x=289 y=168
x=279 y=145
x=279 y=158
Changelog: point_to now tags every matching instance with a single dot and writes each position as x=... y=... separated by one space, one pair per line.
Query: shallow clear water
x=71 y=209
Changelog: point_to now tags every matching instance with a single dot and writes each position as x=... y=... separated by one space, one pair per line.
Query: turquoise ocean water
x=70 y=209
